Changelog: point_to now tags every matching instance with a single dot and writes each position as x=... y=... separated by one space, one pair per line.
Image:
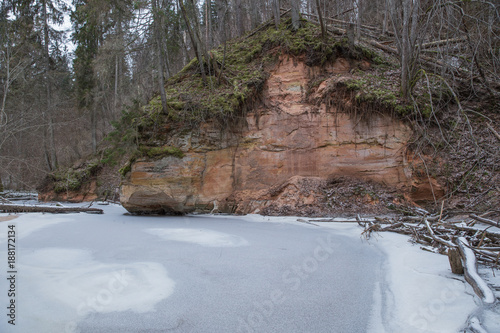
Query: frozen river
x=121 y=273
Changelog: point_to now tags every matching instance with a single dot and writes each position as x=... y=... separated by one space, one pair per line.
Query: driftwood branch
x=485 y=221
x=46 y=209
x=436 y=238
x=469 y=262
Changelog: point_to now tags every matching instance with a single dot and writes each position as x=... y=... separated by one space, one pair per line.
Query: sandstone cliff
x=290 y=123
x=294 y=138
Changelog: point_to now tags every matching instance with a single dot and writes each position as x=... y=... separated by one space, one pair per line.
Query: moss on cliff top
x=244 y=64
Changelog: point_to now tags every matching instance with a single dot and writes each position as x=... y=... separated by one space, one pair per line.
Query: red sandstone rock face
x=285 y=138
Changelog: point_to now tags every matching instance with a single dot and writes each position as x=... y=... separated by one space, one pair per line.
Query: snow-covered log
x=46 y=209
x=480 y=287
x=436 y=238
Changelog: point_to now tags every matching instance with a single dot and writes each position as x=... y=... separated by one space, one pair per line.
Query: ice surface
x=118 y=273
x=203 y=237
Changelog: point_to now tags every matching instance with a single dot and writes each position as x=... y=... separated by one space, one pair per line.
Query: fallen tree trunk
x=483 y=220
x=443 y=42
x=382 y=47
x=480 y=287
x=47 y=209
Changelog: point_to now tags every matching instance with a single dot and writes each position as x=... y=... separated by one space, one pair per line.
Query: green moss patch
x=72 y=179
x=377 y=91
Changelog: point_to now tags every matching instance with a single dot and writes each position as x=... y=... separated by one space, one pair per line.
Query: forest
x=66 y=93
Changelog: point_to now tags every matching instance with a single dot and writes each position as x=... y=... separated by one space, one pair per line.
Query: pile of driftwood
x=466 y=241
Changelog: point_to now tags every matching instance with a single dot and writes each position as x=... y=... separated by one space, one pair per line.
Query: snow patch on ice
x=203 y=237
x=425 y=296
x=72 y=280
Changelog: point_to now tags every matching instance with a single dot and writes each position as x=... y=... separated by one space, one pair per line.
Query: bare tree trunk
x=357 y=4
x=116 y=81
x=48 y=83
x=318 y=8
x=255 y=17
x=386 y=14
x=276 y=13
x=185 y=53
x=53 y=153
x=414 y=22
x=405 y=49
x=208 y=23
x=194 y=40
x=351 y=35
x=239 y=17
x=93 y=129
x=295 y=14
x=159 y=50
x=396 y=22
x=3 y=114
x=118 y=69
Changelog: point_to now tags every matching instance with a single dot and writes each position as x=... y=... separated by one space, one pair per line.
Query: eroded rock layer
x=291 y=137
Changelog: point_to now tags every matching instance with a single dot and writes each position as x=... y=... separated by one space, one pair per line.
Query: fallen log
x=47 y=209
x=469 y=263
x=382 y=47
x=489 y=234
x=483 y=220
x=443 y=42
